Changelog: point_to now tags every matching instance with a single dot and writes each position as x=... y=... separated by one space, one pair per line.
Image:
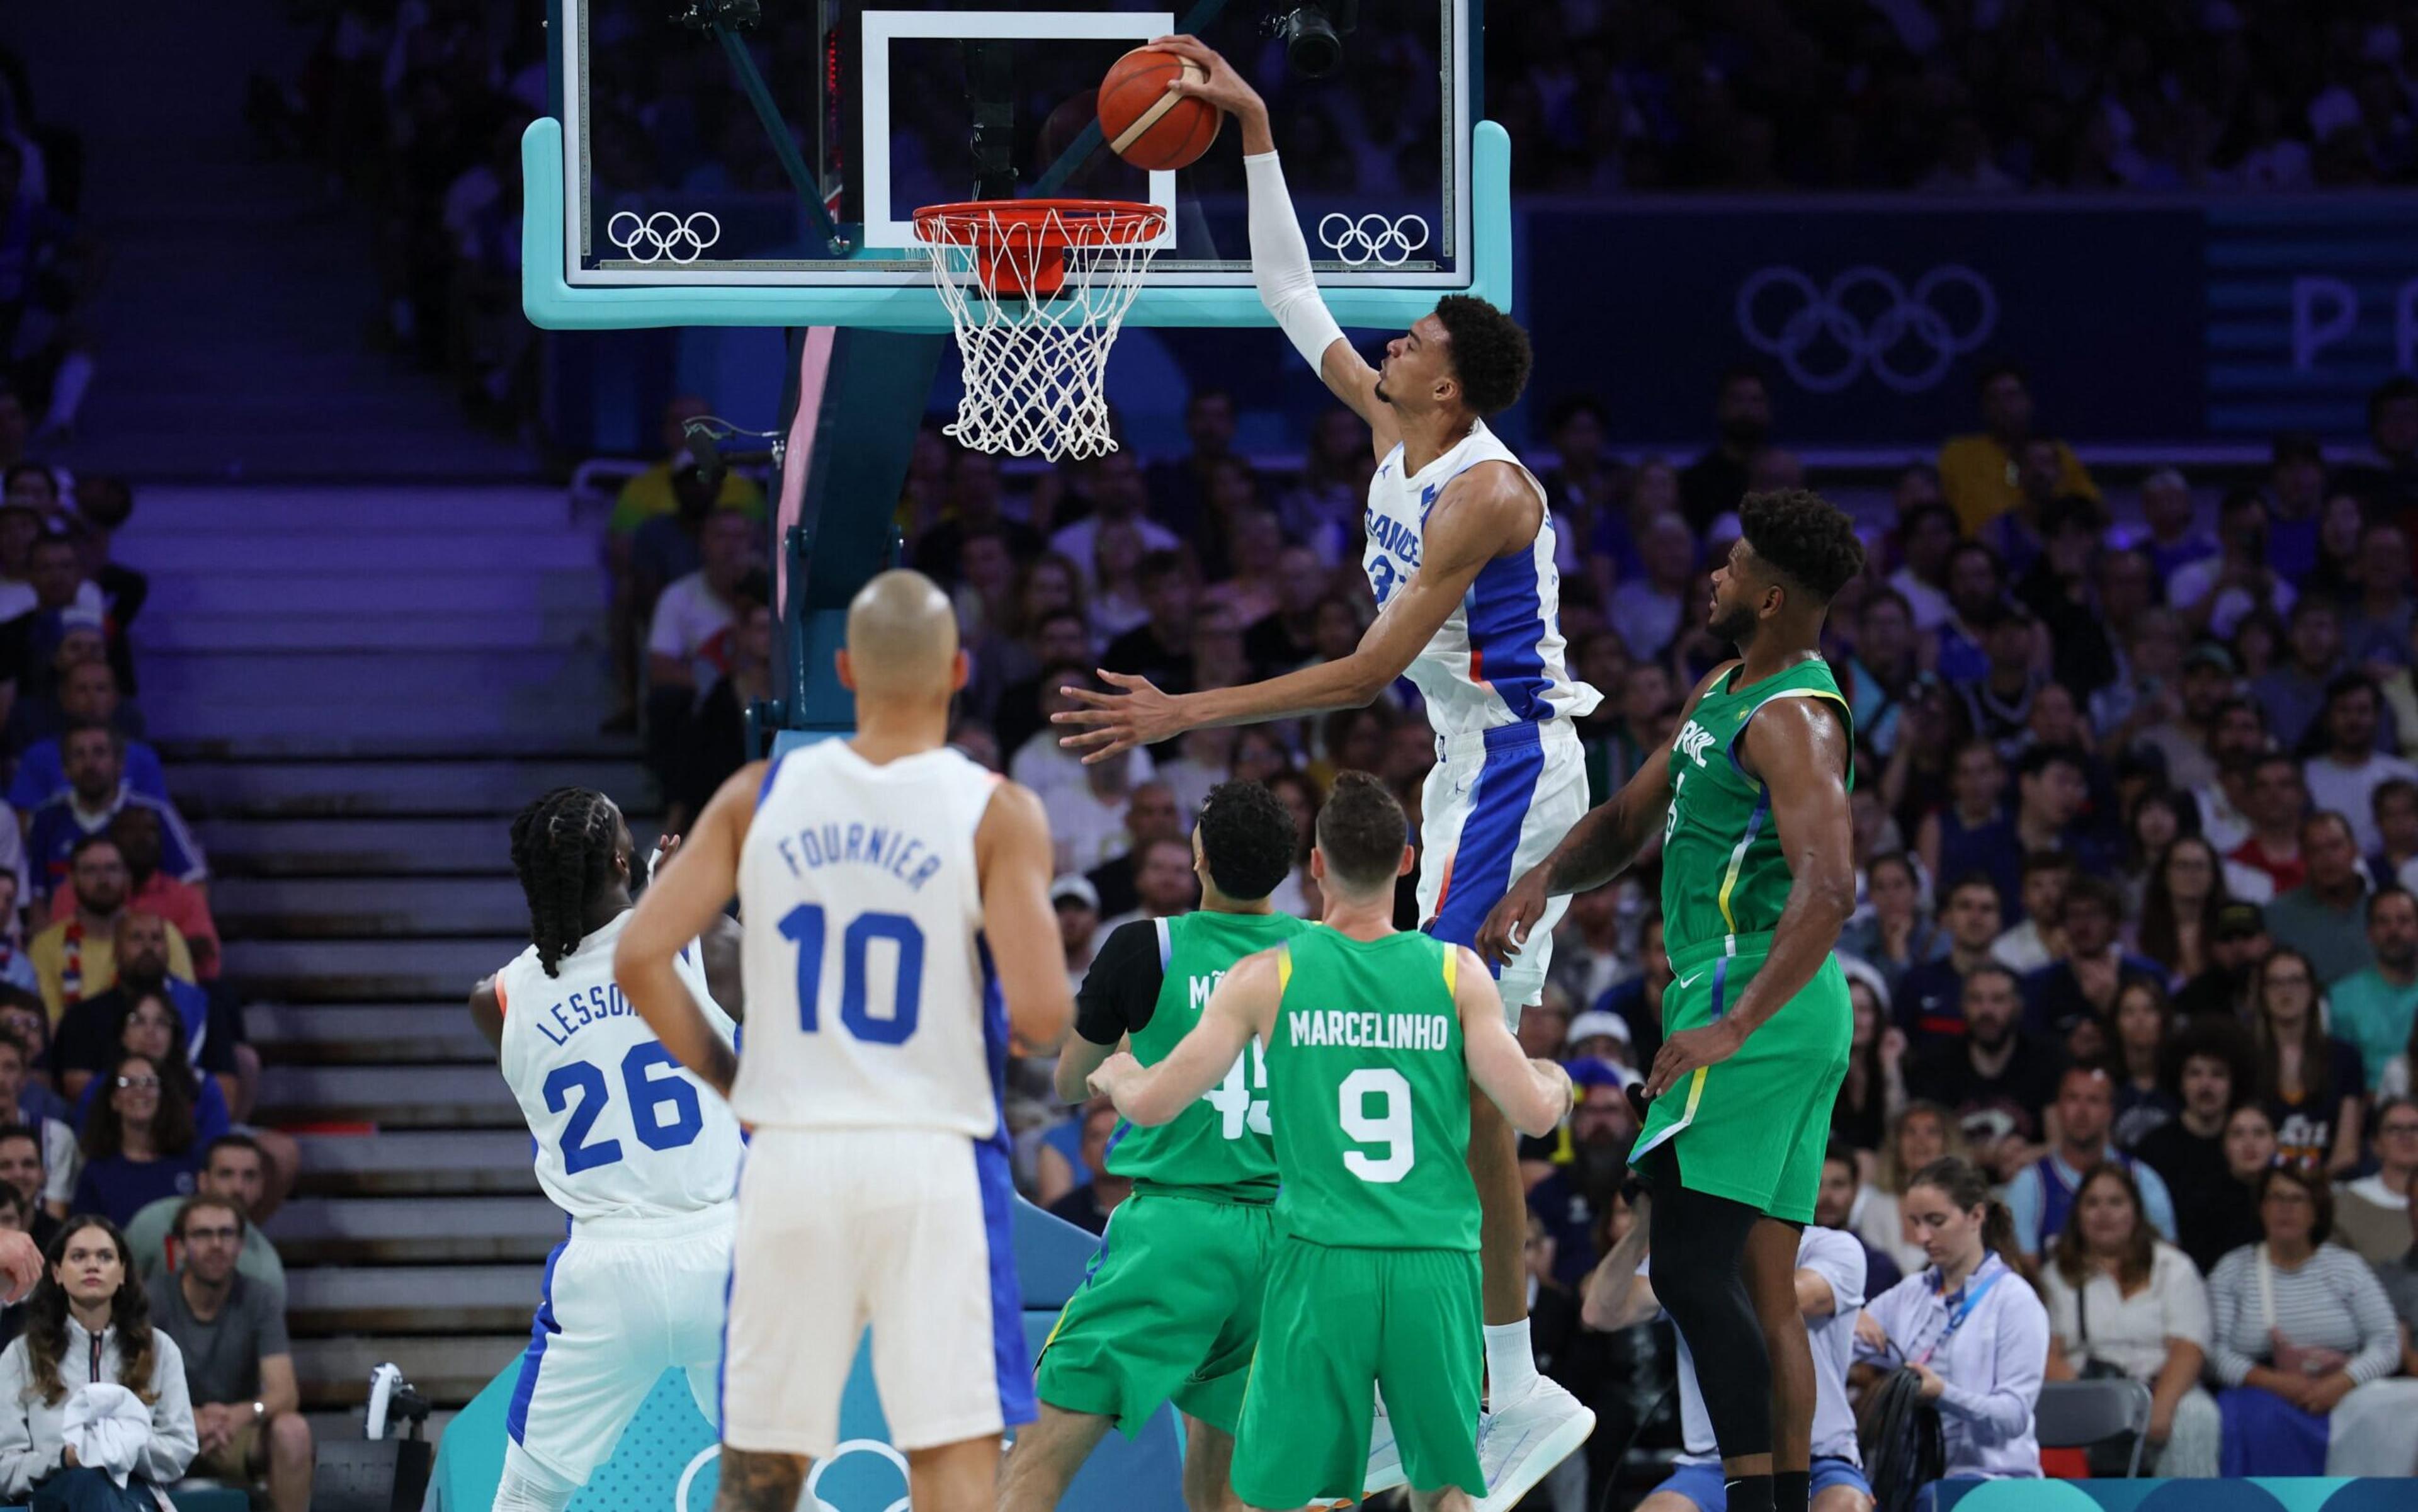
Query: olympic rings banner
x=2142 y=321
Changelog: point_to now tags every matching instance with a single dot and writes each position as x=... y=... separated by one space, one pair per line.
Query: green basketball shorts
x=1753 y=1128
x=1169 y=1312
x=1338 y=1323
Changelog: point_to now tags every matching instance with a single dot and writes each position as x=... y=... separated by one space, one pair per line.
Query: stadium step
x=430 y=683
x=284 y=790
x=458 y=511
x=410 y=1299
x=379 y=846
x=379 y=542
x=496 y=630
x=470 y=1095
x=410 y=1162
x=335 y=1372
x=336 y=907
x=465 y=588
x=415 y=1231
x=370 y=971
x=364 y=1033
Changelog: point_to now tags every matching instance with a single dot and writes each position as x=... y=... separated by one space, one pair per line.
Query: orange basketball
x=1146 y=123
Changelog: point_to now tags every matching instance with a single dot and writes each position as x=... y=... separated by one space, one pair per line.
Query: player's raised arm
x=1797 y=748
x=1599 y=847
x=1484 y=512
x=1241 y=1006
x=1279 y=255
x=1533 y=1094
x=487 y=1014
x=688 y=894
x=1012 y=849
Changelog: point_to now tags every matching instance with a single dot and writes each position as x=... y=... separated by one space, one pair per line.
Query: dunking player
x=628 y=1145
x=1459 y=554
x=1171 y=1307
x=1751 y=799
x=1373 y=1039
x=895 y=889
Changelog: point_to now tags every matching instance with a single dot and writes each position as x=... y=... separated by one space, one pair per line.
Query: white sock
x=529 y=1486
x=1510 y=1368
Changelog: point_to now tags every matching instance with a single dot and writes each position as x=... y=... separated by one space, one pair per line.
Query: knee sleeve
x=1699 y=1248
x=529 y=1486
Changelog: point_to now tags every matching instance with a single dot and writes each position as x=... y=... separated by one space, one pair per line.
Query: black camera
x=1314 y=33
x=727 y=15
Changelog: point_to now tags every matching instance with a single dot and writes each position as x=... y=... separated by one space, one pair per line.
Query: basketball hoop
x=1036 y=290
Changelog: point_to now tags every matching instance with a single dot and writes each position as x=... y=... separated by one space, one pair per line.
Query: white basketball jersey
x=871 y=1002
x=1498 y=659
x=621 y=1130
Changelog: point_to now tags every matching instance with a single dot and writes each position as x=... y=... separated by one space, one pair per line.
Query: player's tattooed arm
x=689 y=893
x=1601 y=846
x=1797 y=748
x=1241 y=1006
x=1483 y=514
x=753 y=1481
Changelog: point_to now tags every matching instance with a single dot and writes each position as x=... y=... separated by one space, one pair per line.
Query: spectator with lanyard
x=1969 y=1326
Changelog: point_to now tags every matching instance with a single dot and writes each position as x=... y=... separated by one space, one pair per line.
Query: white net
x=1035 y=364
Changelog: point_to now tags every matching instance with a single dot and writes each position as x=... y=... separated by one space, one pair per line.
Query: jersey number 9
x=1389 y=1126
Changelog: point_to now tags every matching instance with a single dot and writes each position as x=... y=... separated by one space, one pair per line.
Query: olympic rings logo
x=814 y=1477
x=662 y=235
x=1866 y=320
x=1372 y=238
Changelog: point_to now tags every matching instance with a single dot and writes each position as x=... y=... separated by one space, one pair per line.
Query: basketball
x=1147 y=125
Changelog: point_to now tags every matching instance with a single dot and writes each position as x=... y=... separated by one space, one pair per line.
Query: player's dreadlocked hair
x=562 y=848
x=1489 y=352
x=1804 y=536
x=1247 y=837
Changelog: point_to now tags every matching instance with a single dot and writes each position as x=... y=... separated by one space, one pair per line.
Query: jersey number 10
x=806 y=925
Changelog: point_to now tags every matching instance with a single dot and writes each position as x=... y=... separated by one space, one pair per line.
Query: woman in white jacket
x=88 y=1323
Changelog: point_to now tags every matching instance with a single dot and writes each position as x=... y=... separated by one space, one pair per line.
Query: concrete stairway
x=353 y=690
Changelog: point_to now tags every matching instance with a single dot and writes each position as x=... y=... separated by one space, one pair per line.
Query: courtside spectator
x=2303 y=1337
x=84 y=1044
x=23 y=1173
x=88 y=1320
x=2294 y=693
x=1087 y=1206
x=148 y=1025
x=2215 y=595
x=1151 y=814
x=1834 y=1207
x=2188 y=1152
x=77 y=957
x=2042 y=1197
x=2121 y=1299
x=1977 y=472
x=2376 y=1006
x=2081 y=983
x=2372 y=1214
x=16 y=968
x=2325 y=917
x=140 y=839
x=56 y=1156
x=1997 y=1081
x=2310 y=1083
x=1929 y=1003
x=2348 y=763
x=97 y=793
x=1164 y=884
x=234 y=1169
x=138 y=1142
x=2036 y=940
x=239 y=1365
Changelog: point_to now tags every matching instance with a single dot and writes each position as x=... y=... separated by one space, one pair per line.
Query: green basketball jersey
x=1370 y=1088
x=1723 y=869
x=1221 y=1142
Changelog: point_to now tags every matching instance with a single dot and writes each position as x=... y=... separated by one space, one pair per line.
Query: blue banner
x=2141 y=321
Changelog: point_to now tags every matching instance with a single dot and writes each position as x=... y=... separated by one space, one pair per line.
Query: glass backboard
x=659 y=197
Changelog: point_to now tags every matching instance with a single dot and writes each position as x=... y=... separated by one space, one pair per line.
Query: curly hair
x=1362 y=829
x=129 y=1313
x=172 y=1127
x=1247 y=837
x=564 y=847
x=1489 y=352
x=1805 y=537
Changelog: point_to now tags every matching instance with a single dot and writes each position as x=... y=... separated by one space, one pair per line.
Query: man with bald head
x=903 y=930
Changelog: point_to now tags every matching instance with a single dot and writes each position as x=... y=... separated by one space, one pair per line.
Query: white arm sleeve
x=1280 y=264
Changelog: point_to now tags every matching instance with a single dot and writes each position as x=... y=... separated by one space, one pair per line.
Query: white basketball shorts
x=625 y=1300
x=1495 y=805
x=902 y=1230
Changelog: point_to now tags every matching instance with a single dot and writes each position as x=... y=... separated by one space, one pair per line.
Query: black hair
x=2044 y=860
x=1489 y=353
x=563 y=846
x=1915 y=516
x=2090 y=887
x=1247 y=838
x=1362 y=831
x=2398 y=387
x=1977 y=877
x=1742 y=371
x=2242 y=496
x=1992 y=371
x=86 y=842
x=2039 y=758
x=234 y=1141
x=1570 y=406
x=1881 y=593
x=1807 y=538
x=2072 y=509
x=1839 y=1153
x=2296 y=446
x=207 y=1200
x=1165 y=563
x=2390 y=889
x=1997 y=968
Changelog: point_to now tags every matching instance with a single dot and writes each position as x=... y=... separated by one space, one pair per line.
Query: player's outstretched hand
x=1117 y=722
x=21 y=1261
x=1223 y=88
x=1508 y=924
x=1689 y=1049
